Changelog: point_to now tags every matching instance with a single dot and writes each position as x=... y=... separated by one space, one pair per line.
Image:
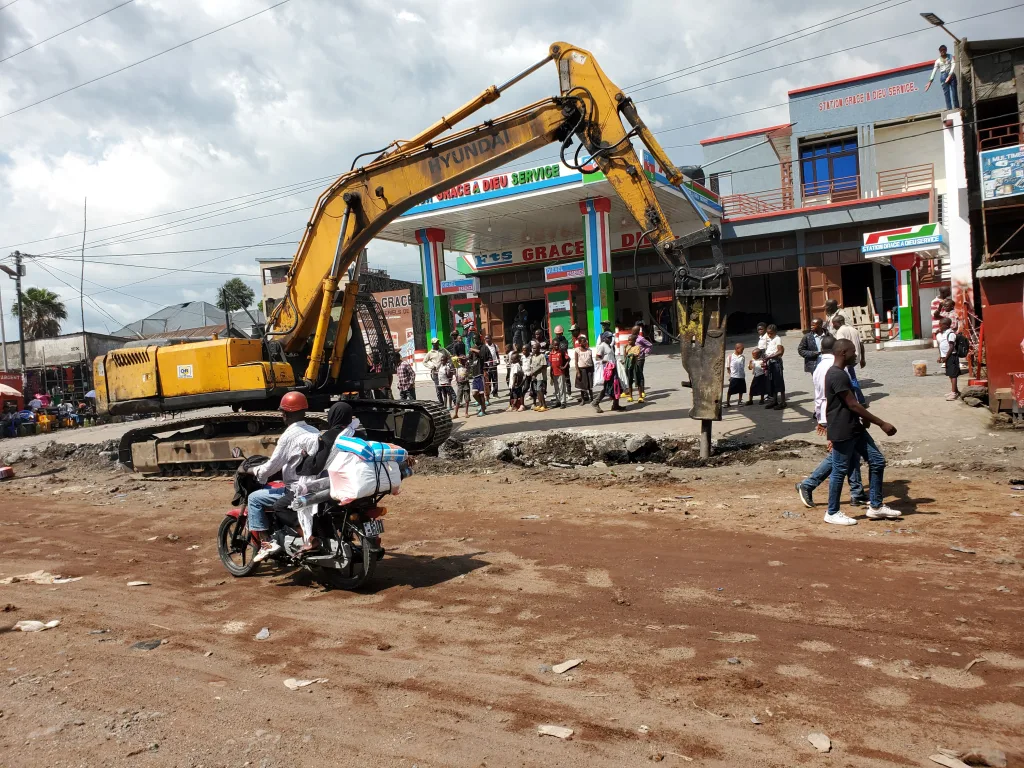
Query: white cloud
x=409 y=16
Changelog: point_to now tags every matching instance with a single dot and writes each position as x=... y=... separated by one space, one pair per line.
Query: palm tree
x=43 y=312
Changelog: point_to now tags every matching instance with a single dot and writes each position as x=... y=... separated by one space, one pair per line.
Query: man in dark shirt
x=458 y=346
x=848 y=436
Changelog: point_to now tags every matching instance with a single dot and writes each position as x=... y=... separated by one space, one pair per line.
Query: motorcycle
x=349 y=537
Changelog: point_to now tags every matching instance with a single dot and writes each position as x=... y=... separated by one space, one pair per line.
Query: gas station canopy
x=532 y=216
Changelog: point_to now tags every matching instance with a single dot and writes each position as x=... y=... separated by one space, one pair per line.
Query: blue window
x=830 y=167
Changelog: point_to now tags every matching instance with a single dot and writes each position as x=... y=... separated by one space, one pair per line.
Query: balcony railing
x=1009 y=135
x=840 y=190
x=913 y=178
x=275 y=280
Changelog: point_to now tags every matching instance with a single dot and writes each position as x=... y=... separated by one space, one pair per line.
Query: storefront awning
x=926 y=239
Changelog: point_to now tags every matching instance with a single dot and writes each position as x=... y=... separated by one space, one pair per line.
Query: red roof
x=731 y=136
x=883 y=73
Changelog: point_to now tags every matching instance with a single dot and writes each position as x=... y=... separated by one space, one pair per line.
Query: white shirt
x=818 y=377
x=495 y=357
x=762 y=340
x=736 y=363
x=758 y=366
x=947 y=340
x=851 y=334
x=297 y=442
x=943 y=67
x=771 y=346
x=604 y=353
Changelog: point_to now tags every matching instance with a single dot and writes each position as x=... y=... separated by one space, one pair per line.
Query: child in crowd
x=445 y=374
x=759 y=383
x=762 y=336
x=516 y=379
x=737 y=376
x=584 y=361
x=462 y=387
x=538 y=372
x=948 y=356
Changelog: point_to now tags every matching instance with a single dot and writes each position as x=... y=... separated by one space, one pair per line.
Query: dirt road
x=694 y=617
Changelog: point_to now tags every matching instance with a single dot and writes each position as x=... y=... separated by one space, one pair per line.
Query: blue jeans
x=949 y=91
x=852 y=370
x=259 y=502
x=824 y=471
x=844 y=453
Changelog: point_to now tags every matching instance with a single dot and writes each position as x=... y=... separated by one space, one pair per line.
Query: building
x=816 y=208
x=273 y=280
x=992 y=96
x=190 y=319
x=60 y=362
x=848 y=199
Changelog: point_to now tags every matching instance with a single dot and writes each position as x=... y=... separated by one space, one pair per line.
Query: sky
x=226 y=143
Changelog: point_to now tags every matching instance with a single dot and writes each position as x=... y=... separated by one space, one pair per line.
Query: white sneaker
x=266 y=551
x=883 y=512
x=839 y=519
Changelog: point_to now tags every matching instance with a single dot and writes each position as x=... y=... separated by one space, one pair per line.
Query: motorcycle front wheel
x=235 y=545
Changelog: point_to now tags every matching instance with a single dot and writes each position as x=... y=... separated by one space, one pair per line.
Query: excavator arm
x=590 y=110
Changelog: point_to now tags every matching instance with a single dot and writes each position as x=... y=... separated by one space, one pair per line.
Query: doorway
x=535 y=311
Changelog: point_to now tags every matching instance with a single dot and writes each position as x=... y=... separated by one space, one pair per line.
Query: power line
x=762 y=47
x=52 y=37
x=822 y=55
x=91 y=300
x=8 y=5
x=151 y=266
x=23 y=243
x=167 y=253
x=140 y=61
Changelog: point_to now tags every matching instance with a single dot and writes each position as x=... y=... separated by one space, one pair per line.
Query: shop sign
x=526 y=254
x=916 y=239
x=570 y=271
x=662 y=297
x=863 y=97
x=397 y=309
x=559 y=306
x=464 y=285
x=1002 y=172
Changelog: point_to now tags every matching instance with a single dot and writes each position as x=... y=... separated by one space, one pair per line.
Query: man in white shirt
x=832 y=311
x=840 y=330
x=945 y=67
x=433 y=360
x=298 y=441
x=806 y=487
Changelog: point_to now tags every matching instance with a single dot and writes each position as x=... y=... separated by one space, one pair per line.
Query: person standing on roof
x=945 y=68
x=298 y=441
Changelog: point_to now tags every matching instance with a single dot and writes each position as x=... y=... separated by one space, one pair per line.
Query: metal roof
x=1001 y=268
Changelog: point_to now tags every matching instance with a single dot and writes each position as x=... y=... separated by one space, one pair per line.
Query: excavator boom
x=308 y=343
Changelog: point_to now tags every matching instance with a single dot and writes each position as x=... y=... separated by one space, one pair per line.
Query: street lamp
x=935 y=21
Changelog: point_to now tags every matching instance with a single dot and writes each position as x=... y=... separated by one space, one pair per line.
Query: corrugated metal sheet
x=1001 y=268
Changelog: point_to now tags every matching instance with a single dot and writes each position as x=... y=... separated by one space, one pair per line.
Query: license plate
x=373 y=528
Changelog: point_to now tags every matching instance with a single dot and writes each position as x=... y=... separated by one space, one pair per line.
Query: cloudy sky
x=226 y=142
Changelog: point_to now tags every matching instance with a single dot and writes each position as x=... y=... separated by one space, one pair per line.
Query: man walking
x=810 y=346
x=821 y=473
x=849 y=437
x=433 y=360
x=832 y=311
x=944 y=66
x=843 y=331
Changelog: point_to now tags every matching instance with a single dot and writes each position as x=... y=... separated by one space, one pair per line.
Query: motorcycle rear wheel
x=359 y=572
x=238 y=561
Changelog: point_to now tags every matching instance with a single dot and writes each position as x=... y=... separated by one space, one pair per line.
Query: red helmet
x=293 y=402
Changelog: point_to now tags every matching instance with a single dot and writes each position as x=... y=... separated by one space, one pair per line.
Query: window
x=273 y=275
x=830 y=168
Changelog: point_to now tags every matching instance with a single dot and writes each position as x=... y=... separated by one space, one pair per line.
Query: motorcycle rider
x=297 y=441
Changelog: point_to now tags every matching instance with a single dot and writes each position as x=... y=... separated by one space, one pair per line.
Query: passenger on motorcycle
x=298 y=441
x=340 y=421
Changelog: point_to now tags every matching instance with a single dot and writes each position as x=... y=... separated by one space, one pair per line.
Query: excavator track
x=218 y=444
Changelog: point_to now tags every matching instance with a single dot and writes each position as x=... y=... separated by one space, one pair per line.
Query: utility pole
x=3 y=332
x=19 y=270
x=81 y=297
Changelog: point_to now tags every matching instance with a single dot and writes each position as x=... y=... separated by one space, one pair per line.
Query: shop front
x=548 y=242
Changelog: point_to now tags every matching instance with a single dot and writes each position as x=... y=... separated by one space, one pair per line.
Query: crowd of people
x=540 y=373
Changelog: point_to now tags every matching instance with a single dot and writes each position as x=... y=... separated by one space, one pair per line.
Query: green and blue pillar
x=435 y=306
x=597 y=262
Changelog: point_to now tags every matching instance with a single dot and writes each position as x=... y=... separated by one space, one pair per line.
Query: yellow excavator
x=330 y=344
